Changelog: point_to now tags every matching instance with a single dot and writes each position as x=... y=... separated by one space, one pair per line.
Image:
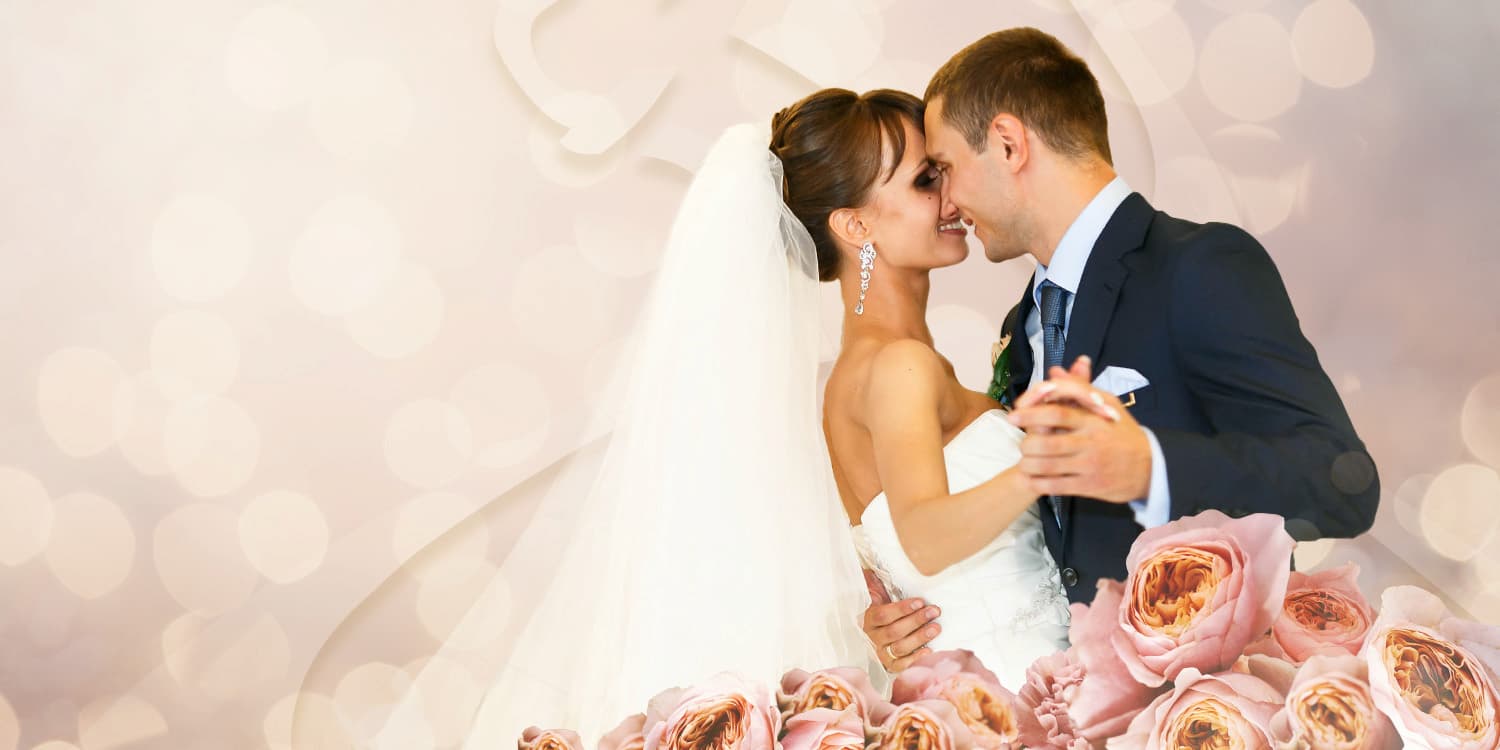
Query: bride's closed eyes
x=928 y=178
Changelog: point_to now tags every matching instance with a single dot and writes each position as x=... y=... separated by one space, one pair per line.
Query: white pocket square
x=1120 y=380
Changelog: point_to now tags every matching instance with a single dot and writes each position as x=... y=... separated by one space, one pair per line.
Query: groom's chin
x=999 y=254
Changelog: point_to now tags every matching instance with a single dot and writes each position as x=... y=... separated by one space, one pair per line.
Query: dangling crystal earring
x=866 y=263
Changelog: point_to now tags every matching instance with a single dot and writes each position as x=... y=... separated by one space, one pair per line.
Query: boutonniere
x=1000 y=365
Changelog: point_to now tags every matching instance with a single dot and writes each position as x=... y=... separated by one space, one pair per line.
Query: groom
x=1187 y=327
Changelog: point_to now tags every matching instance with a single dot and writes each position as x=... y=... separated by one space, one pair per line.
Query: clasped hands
x=1081 y=441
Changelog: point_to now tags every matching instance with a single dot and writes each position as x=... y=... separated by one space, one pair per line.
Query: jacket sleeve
x=1281 y=441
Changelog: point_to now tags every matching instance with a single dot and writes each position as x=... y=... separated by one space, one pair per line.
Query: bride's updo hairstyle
x=832 y=146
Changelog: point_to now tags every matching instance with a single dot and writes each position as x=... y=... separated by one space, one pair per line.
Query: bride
x=924 y=467
x=716 y=533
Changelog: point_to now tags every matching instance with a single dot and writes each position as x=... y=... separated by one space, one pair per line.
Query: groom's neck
x=1061 y=195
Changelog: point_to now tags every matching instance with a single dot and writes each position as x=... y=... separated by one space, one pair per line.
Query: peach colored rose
x=914 y=682
x=825 y=729
x=1329 y=706
x=535 y=738
x=1225 y=710
x=629 y=735
x=1085 y=695
x=958 y=677
x=1275 y=671
x=923 y=725
x=1200 y=590
x=726 y=712
x=1436 y=691
x=1483 y=641
x=1267 y=645
x=1323 y=613
x=837 y=688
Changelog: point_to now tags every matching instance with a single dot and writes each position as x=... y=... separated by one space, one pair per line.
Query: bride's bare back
x=850 y=447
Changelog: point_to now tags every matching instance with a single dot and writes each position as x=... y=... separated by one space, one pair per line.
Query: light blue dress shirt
x=1066 y=270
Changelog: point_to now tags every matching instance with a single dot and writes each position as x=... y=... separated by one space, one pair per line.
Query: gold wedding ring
x=891 y=653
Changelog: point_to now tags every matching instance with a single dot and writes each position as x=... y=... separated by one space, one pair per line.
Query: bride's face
x=907 y=218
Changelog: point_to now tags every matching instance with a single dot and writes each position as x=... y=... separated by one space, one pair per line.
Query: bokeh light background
x=291 y=289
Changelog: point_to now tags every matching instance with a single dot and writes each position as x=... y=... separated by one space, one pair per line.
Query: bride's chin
x=954 y=258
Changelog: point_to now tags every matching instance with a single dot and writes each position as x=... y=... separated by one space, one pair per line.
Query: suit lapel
x=1020 y=358
x=1103 y=276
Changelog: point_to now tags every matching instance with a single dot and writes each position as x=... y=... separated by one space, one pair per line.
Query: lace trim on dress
x=872 y=561
x=1048 y=598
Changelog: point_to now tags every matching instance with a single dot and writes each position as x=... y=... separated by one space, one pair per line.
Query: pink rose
x=534 y=738
x=1267 y=645
x=1483 y=641
x=1200 y=590
x=1272 y=670
x=1329 y=706
x=825 y=729
x=958 y=677
x=629 y=735
x=1229 y=709
x=924 y=725
x=837 y=688
x=1324 y=613
x=1085 y=695
x=725 y=713
x=917 y=680
x=1434 y=689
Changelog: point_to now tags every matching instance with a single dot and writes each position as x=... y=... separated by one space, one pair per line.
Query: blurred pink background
x=291 y=289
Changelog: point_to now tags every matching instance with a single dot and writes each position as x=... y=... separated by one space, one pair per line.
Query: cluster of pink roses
x=1214 y=642
x=944 y=701
x=1211 y=642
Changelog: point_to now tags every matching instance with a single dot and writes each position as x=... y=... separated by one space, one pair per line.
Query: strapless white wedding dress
x=1006 y=602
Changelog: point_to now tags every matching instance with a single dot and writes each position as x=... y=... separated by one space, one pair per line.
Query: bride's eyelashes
x=928 y=179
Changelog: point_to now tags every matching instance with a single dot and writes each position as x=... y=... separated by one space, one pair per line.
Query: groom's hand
x=1071 y=448
x=901 y=631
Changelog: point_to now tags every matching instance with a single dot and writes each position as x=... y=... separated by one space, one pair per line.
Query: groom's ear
x=847 y=225
x=1007 y=140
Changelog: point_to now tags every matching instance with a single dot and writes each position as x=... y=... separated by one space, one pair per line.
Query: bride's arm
x=936 y=529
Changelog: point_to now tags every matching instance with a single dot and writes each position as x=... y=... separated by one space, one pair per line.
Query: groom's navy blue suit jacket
x=1247 y=419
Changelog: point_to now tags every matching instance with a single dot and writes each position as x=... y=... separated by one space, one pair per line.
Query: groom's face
x=983 y=195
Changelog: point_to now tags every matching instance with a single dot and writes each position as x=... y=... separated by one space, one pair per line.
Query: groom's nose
x=948 y=210
x=947 y=207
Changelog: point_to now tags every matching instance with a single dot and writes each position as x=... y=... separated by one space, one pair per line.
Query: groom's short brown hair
x=1031 y=75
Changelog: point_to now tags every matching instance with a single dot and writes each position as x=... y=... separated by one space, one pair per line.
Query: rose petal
x=629 y=735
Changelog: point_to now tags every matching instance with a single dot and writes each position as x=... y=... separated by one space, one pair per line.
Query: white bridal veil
x=710 y=537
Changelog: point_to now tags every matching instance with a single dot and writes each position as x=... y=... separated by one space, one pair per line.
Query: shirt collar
x=1072 y=253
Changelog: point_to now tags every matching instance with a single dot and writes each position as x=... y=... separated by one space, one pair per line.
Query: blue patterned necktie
x=1054 y=319
x=1054 y=338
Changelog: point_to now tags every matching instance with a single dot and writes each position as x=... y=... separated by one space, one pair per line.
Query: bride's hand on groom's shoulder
x=1081 y=441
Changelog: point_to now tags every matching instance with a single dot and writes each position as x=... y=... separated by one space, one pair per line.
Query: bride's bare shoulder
x=868 y=360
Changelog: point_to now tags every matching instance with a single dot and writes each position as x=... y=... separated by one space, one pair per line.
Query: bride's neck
x=895 y=305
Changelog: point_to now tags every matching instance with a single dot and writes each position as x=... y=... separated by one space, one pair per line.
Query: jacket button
x=1069 y=577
